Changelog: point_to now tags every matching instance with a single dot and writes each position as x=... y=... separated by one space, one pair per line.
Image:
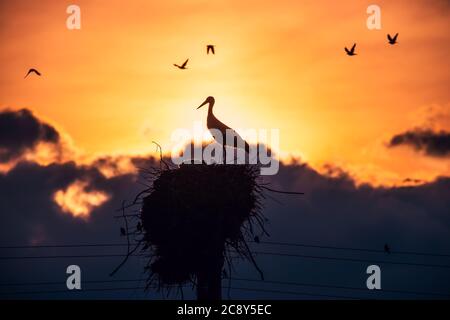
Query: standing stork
x=214 y=124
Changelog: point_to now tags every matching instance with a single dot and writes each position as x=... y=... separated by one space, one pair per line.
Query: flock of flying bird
x=392 y=41
x=215 y=124
x=210 y=49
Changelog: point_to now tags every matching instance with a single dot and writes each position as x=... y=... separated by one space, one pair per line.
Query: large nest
x=196 y=214
x=193 y=212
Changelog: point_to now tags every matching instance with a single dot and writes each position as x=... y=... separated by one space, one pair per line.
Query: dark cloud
x=21 y=131
x=432 y=143
x=333 y=211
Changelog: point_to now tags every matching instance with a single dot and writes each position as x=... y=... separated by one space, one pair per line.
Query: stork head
x=209 y=100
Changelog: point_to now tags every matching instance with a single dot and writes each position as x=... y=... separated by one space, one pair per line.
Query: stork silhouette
x=183 y=66
x=32 y=70
x=209 y=48
x=393 y=40
x=215 y=125
x=351 y=52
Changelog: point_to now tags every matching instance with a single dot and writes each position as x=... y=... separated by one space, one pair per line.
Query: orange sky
x=112 y=88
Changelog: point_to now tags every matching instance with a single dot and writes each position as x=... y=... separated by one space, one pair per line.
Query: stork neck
x=210 y=108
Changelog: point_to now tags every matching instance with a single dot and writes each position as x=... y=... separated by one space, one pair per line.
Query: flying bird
x=215 y=125
x=32 y=70
x=351 y=52
x=393 y=40
x=183 y=66
x=209 y=48
x=387 y=249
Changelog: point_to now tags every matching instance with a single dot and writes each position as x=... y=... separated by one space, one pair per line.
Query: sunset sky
x=111 y=87
x=364 y=144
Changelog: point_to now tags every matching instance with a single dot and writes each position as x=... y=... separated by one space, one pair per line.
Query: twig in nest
x=279 y=191
x=161 y=160
x=128 y=215
x=261 y=225
x=129 y=252
x=250 y=255
x=138 y=195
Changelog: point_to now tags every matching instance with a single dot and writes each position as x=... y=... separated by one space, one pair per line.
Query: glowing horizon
x=111 y=86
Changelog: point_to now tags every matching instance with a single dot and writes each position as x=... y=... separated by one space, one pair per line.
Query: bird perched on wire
x=32 y=70
x=209 y=48
x=393 y=40
x=387 y=249
x=183 y=66
x=351 y=52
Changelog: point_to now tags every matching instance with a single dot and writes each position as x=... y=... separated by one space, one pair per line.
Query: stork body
x=183 y=66
x=351 y=52
x=392 y=40
x=32 y=70
x=209 y=48
x=215 y=125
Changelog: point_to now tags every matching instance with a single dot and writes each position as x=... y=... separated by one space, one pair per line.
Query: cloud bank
x=334 y=210
x=21 y=131
x=432 y=143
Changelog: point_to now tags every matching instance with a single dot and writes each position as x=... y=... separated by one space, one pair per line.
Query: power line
x=302 y=284
x=65 y=246
x=73 y=291
x=254 y=252
x=354 y=249
x=77 y=256
x=261 y=242
x=351 y=259
x=49 y=283
x=69 y=256
x=298 y=293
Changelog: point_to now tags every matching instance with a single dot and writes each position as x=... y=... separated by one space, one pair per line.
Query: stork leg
x=224 y=154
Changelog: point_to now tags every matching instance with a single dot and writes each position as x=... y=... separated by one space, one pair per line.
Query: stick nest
x=192 y=213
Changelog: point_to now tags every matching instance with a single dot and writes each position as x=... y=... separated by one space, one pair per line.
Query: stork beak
x=205 y=102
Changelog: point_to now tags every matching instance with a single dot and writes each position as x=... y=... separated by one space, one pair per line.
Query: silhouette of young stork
x=183 y=66
x=392 y=40
x=209 y=48
x=351 y=52
x=32 y=70
x=215 y=125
